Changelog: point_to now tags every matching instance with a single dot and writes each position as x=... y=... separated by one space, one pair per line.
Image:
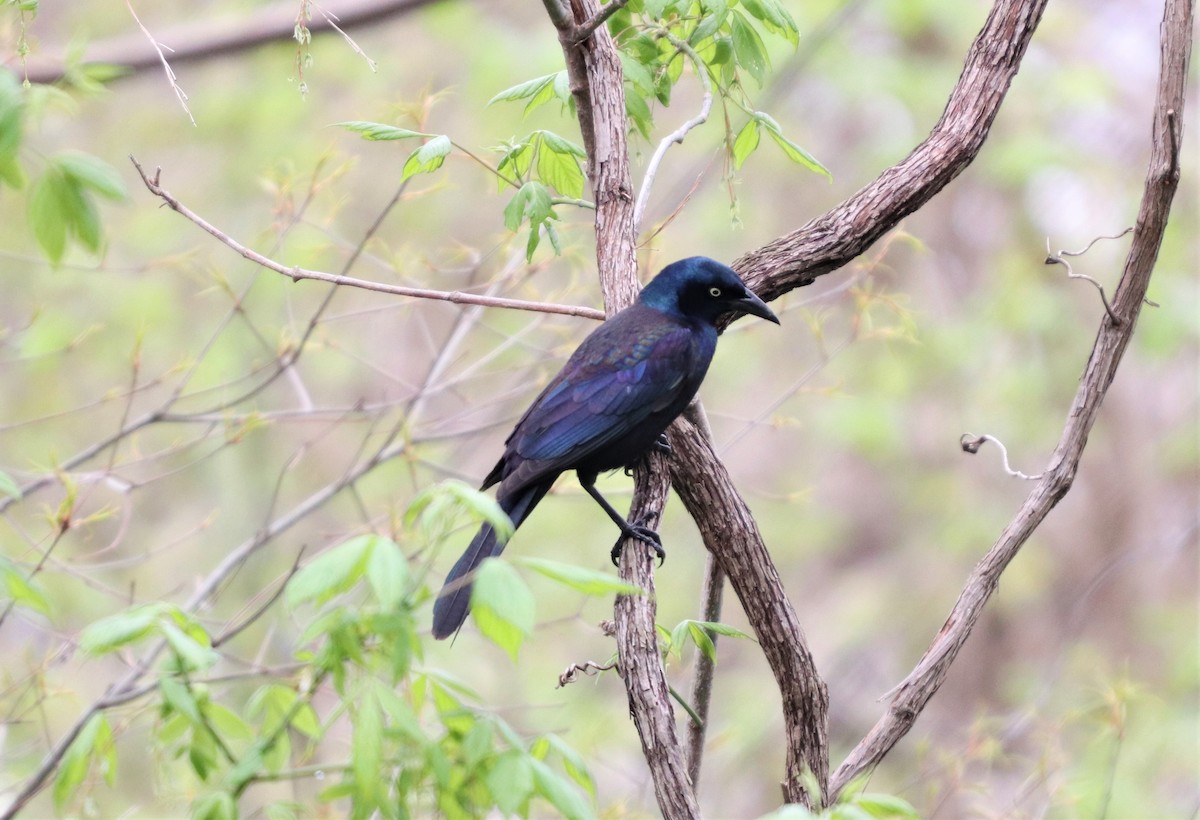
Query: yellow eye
x=714 y=292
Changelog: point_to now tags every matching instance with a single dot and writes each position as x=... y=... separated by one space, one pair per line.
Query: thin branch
x=296 y=273
x=158 y=49
x=208 y=38
x=970 y=443
x=585 y=30
x=1162 y=179
x=677 y=136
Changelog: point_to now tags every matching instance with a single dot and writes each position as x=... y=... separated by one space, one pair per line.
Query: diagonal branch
x=847 y=230
x=296 y=274
x=1161 y=181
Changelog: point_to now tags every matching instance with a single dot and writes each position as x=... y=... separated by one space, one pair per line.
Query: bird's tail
x=454 y=601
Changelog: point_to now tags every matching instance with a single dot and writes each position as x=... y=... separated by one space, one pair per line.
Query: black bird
x=608 y=405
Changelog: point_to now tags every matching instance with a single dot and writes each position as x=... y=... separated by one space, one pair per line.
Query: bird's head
x=704 y=289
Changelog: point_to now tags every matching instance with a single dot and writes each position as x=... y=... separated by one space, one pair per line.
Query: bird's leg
x=641 y=533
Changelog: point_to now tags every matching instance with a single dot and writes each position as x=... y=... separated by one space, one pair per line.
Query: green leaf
x=724 y=629
x=587 y=581
x=638 y=112
x=428 y=158
x=884 y=805
x=529 y=88
x=560 y=793
x=793 y=151
x=332 y=572
x=215 y=806
x=22 y=591
x=367 y=750
x=702 y=640
x=47 y=210
x=573 y=762
x=228 y=722
x=557 y=165
x=9 y=486
x=708 y=26
x=179 y=697
x=502 y=605
x=448 y=497
x=91 y=173
x=379 y=131
x=193 y=654
x=637 y=74
x=745 y=143
x=115 y=631
x=748 y=47
x=12 y=111
x=774 y=17
x=510 y=781
x=387 y=573
x=78 y=757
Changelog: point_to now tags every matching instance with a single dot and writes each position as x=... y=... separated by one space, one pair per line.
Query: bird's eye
x=714 y=292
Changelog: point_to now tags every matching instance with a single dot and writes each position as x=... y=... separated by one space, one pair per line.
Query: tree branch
x=1161 y=181
x=594 y=71
x=847 y=230
x=205 y=38
x=296 y=274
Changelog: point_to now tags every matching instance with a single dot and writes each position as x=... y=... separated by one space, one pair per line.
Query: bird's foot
x=644 y=534
x=662 y=445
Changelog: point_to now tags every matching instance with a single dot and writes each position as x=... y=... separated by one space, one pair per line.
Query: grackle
x=609 y=404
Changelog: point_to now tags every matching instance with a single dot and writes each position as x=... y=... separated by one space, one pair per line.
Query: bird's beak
x=752 y=304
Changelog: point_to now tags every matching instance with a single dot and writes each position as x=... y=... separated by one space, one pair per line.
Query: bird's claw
x=662 y=445
x=644 y=534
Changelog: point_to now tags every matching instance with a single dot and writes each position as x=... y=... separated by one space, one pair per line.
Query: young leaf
x=379 y=131
x=215 y=806
x=745 y=143
x=502 y=605
x=793 y=151
x=510 y=781
x=8 y=486
x=367 y=750
x=447 y=497
x=331 y=573
x=428 y=158
x=748 y=47
x=557 y=165
x=92 y=173
x=193 y=654
x=47 y=208
x=387 y=573
x=775 y=18
x=115 y=631
x=529 y=88
x=561 y=795
x=22 y=591
x=78 y=757
x=12 y=108
x=587 y=581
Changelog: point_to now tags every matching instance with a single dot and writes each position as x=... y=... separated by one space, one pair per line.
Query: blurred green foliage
x=1075 y=696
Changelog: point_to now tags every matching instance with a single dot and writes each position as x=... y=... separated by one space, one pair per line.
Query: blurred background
x=1078 y=693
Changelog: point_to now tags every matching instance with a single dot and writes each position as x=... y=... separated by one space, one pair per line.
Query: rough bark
x=596 y=82
x=1162 y=179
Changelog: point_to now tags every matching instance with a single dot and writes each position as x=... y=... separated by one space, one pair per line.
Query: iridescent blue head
x=702 y=289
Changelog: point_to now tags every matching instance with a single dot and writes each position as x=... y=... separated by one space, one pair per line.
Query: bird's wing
x=609 y=387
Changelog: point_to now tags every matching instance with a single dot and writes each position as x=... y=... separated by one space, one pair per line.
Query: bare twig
x=208 y=38
x=971 y=443
x=158 y=49
x=584 y=30
x=572 y=672
x=678 y=135
x=296 y=273
x=1161 y=181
